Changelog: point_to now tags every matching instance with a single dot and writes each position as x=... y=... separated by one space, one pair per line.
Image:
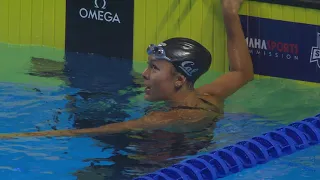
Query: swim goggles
x=157 y=51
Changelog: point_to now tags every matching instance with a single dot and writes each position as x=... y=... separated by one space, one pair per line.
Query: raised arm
x=241 y=68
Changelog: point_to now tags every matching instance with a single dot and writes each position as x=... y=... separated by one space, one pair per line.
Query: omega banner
x=102 y=27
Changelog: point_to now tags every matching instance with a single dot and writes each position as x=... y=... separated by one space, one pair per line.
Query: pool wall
x=124 y=28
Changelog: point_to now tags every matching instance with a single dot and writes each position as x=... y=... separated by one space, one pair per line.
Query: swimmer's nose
x=145 y=73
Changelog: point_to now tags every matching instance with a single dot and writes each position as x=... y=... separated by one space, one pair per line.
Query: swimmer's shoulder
x=183 y=120
x=211 y=100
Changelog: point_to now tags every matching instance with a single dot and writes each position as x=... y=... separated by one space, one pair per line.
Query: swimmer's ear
x=180 y=80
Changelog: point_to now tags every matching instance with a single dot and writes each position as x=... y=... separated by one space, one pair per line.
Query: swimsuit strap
x=215 y=108
x=187 y=107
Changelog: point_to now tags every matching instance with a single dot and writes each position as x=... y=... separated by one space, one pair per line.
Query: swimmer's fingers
x=8 y=136
x=231 y=6
x=18 y=135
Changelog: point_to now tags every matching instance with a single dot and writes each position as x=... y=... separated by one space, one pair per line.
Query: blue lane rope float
x=244 y=154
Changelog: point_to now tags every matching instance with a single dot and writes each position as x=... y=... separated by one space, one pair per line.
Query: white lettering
x=116 y=18
x=100 y=17
x=92 y=15
x=259 y=47
x=315 y=54
x=103 y=6
x=257 y=43
x=251 y=44
x=188 y=69
x=99 y=14
x=288 y=56
x=83 y=13
x=259 y=52
x=264 y=45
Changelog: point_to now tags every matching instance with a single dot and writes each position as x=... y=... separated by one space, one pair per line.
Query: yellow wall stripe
x=48 y=23
x=37 y=22
x=184 y=18
x=14 y=21
x=59 y=23
x=26 y=20
x=196 y=20
x=4 y=21
x=172 y=22
x=151 y=22
x=207 y=26
x=139 y=33
x=162 y=19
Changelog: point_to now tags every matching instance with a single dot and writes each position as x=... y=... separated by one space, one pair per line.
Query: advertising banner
x=99 y=44
x=283 y=49
x=103 y=27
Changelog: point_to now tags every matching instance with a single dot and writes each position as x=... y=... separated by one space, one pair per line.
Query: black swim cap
x=189 y=57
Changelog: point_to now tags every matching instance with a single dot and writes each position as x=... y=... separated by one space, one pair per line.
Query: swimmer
x=174 y=65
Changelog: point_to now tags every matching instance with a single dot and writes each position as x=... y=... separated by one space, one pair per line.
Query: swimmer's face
x=159 y=79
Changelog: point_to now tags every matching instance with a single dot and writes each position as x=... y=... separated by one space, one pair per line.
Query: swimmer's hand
x=231 y=6
x=76 y=132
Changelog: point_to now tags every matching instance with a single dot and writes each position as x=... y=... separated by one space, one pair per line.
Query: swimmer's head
x=174 y=64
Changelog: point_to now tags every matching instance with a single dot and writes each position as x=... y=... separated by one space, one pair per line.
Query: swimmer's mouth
x=147 y=89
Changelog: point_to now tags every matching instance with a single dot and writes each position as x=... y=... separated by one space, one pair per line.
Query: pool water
x=80 y=95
